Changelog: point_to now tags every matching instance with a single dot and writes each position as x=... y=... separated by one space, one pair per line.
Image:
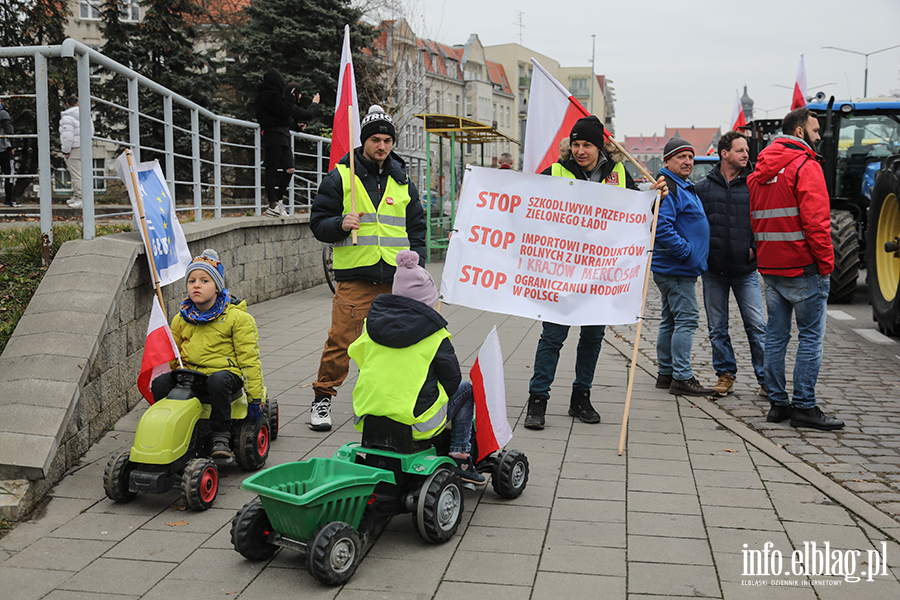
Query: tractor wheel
x=440 y=507
x=846 y=257
x=272 y=413
x=334 y=553
x=883 y=268
x=115 y=478
x=200 y=483
x=328 y=265
x=250 y=531
x=251 y=443
x=510 y=474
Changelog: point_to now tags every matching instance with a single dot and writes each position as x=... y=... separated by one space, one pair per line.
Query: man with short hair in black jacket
x=388 y=219
x=732 y=261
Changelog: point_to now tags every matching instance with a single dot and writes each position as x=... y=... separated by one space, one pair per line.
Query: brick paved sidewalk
x=670 y=518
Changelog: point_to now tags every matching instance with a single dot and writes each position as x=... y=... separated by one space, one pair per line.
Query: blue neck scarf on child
x=192 y=314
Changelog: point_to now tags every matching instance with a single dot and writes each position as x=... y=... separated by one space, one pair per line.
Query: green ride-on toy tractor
x=331 y=509
x=172 y=445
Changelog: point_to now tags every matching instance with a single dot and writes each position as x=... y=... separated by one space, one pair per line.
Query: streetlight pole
x=593 y=77
x=867 y=55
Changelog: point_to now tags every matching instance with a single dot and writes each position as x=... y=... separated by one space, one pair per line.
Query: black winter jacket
x=727 y=206
x=276 y=111
x=328 y=212
x=399 y=322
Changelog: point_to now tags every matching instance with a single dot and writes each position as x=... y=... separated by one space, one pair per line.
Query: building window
x=507 y=117
x=437 y=102
x=89 y=9
x=130 y=10
x=580 y=86
x=469 y=106
x=457 y=106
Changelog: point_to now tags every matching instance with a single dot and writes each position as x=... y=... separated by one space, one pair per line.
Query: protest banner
x=549 y=248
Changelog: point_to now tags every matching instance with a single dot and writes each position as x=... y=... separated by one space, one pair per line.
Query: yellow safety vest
x=616 y=176
x=390 y=380
x=381 y=233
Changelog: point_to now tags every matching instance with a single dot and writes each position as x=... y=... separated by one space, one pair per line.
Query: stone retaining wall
x=70 y=370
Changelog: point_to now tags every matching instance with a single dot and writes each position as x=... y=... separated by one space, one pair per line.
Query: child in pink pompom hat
x=408 y=370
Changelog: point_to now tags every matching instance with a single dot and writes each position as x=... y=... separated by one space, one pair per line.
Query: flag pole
x=629 y=157
x=140 y=204
x=637 y=335
x=352 y=171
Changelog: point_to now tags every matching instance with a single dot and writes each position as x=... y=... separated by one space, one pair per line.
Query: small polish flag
x=737 y=116
x=799 y=99
x=492 y=430
x=552 y=111
x=346 y=94
x=159 y=351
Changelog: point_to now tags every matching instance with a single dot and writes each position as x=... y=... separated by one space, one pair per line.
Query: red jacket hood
x=782 y=151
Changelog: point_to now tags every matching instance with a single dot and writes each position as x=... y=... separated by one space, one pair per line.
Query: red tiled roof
x=644 y=144
x=498 y=75
x=698 y=137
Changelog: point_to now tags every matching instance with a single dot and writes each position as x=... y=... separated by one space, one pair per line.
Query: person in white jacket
x=70 y=139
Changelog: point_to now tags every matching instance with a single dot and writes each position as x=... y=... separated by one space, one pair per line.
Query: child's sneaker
x=465 y=468
x=320 y=414
x=220 y=449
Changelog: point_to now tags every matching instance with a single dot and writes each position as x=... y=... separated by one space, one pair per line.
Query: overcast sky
x=679 y=63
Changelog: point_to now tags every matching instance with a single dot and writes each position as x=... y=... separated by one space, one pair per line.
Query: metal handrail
x=205 y=155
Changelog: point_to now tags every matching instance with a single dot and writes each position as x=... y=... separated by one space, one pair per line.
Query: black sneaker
x=580 y=406
x=13 y=204
x=537 y=407
x=465 y=468
x=689 y=387
x=220 y=449
x=779 y=413
x=815 y=418
x=663 y=381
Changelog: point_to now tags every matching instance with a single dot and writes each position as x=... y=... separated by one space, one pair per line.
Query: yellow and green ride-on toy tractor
x=173 y=442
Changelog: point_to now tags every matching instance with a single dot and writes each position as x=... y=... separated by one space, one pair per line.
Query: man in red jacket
x=791 y=222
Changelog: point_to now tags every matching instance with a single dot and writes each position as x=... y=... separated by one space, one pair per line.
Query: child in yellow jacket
x=216 y=336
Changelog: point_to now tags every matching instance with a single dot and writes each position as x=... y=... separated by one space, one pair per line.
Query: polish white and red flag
x=799 y=99
x=738 y=121
x=552 y=111
x=346 y=96
x=492 y=430
x=159 y=351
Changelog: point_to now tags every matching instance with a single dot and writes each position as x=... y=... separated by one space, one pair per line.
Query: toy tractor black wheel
x=882 y=266
x=440 y=507
x=251 y=443
x=328 y=265
x=115 y=478
x=273 y=414
x=334 y=553
x=200 y=483
x=510 y=474
x=846 y=257
x=250 y=531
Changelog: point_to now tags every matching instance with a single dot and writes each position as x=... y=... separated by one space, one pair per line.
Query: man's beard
x=809 y=141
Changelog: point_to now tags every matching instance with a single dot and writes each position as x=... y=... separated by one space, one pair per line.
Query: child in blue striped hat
x=216 y=336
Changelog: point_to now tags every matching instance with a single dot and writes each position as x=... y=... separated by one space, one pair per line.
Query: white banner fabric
x=548 y=248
